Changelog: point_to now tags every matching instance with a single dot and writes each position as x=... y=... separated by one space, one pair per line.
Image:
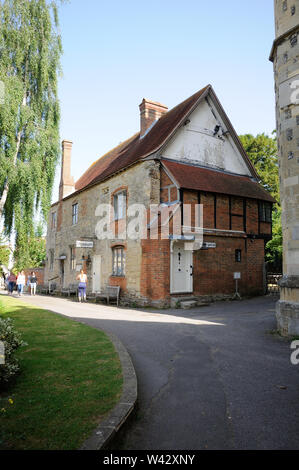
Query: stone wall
x=285 y=56
x=143 y=183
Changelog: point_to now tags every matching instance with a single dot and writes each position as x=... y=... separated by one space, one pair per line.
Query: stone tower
x=285 y=58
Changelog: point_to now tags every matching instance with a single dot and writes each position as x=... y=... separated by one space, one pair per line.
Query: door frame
x=171 y=273
x=99 y=259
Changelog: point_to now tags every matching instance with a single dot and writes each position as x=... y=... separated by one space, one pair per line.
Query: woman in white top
x=82 y=278
x=21 y=282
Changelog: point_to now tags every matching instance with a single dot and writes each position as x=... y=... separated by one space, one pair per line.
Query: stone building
x=186 y=162
x=285 y=58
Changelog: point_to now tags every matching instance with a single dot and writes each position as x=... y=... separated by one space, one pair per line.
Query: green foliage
x=262 y=151
x=30 y=49
x=31 y=254
x=4 y=251
x=12 y=341
x=274 y=246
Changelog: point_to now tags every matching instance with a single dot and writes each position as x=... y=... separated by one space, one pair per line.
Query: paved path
x=209 y=378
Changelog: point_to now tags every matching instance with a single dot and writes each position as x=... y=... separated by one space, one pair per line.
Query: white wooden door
x=96 y=273
x=181 y=280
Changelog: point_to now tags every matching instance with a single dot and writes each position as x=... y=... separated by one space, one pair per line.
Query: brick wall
x=213 y=268
x=39 y=274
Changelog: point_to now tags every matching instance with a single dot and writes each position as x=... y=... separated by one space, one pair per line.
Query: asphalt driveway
x=214 y=377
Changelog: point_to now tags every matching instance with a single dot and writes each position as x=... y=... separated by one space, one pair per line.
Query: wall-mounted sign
x=84 y=244
x=207 y=245
x=62 y=257
x=237 y=275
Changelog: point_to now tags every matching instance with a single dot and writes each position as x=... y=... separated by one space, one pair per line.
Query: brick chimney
x=150 y=111
x=67 y=184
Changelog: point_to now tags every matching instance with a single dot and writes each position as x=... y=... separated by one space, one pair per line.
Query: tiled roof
x=135 y=148
x=203 y=179
x=100 y=165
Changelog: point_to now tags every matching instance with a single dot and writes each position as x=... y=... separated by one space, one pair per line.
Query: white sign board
x=84 y=244
x=237 y=275
x=206 y=245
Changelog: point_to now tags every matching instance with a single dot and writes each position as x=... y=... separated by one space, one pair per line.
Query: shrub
x=12 y=341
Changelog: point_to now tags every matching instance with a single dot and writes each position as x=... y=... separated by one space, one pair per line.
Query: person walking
x=11 y=282
x=82 y=278
x=20 y=282
x=33 y=282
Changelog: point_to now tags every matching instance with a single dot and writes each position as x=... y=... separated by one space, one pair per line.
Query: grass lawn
x=70 y=378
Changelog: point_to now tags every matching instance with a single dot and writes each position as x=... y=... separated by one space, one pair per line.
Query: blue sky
x=118 y=52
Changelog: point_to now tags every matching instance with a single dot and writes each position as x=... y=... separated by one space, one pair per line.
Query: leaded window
x=75 y=211
x=120 y=205
x=118 y=261
x=265 y=211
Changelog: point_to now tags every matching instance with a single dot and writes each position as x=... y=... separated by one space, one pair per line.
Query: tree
x=32 y=254
x=4 y=251
x=30 y=50
x=262 y=151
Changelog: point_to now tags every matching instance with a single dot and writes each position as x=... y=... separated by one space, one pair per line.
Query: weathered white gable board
x=194 y=142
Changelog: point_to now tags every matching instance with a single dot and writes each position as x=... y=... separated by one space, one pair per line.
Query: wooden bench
x=71 y=289
x=110 y=292
x=42 y=289
x=52 y=287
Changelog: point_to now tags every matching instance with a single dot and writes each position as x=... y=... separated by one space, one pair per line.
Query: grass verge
x=70 y=379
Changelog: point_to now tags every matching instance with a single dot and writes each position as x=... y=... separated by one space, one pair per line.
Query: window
x=53 y=220
x=118 y=261
x=73 y=258
x=293 y=40
x=289 y=134
x=293 y=10
x=120 y=205
x=297 y=119
x=238 y=256
x=265 y=212
x=285 y=5
x=75 y=214
x=51 y=253
x=288 y=113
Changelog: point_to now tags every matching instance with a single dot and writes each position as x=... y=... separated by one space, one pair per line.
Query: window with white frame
x=120 y=205
x=75 y=209
x=53 y=220
x=118 y=261
x=72 y=258
x=51 y=254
